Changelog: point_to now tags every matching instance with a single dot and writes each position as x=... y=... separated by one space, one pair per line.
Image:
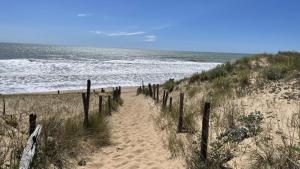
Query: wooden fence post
x=114 y=93
x=120 y=91
x=153 y=86
x=150 y=89
x=58 y=92
x=180 y=121
x=109 y=105
x=143 y=88
x=30 y=149
x=86 y=103
x=170 y=104
x=166 y=99
x=205 y=129
x=88 y=93
x=164 y=95
x=100 y=105
x=3 y=106
x=32 y=123
x=157 y=93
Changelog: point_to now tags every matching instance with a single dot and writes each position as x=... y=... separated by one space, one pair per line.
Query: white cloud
x=125 y=33
x=83 y=15
x=150 y=38
x=118 y=33
x=97 y=32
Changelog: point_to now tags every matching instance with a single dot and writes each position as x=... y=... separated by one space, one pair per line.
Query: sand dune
x=135 y=142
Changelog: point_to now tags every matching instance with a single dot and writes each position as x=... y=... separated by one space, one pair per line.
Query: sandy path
x=135 y=142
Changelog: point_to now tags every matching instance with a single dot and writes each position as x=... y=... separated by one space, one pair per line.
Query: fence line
x=29 y=150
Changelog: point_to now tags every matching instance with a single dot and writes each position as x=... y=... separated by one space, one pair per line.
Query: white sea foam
x=36 y=75
x=36 y=68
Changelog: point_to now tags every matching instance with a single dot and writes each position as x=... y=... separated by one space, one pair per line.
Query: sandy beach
x=135 y=141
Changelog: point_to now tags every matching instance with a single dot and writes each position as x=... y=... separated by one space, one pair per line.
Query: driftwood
x=29 y=150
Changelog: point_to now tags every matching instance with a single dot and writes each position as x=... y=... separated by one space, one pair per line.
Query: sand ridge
x=135 y=142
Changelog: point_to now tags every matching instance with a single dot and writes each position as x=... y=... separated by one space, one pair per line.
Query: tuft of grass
x=273 y=73
x=175 y=144
x=169 y=85
x=62 y=139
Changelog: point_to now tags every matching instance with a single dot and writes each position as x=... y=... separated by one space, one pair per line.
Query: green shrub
x=169 y=85
x=273 y=73
x=203 y=76
x=220 y=152
x=222 y=84
x=218 y=72
x=243 y=77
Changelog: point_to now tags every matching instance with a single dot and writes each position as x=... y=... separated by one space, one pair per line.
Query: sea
x=43 y=68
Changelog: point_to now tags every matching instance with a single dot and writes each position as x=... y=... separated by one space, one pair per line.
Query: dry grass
x=63 y=137
x=271 y=82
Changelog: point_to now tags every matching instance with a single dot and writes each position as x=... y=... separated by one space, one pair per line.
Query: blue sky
x=249 y=26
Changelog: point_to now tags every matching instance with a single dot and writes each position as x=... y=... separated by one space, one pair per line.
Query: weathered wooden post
x=32 y=123
x=157 y=93
x=114 y=93
x=100 y=105
x=86 y=103
x=3 y=106
x=150 y=89
x=120 y=91
x=88 y=93
x=180 y=121
x=30 y=149
x=164 y=95
x=166 y=99
x=153 y=86
x=170 y=104
x=143 y=88
x=109 y=105
x=205 y=129
x=58 y=92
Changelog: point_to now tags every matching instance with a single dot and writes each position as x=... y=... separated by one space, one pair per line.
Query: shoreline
x=124 y=89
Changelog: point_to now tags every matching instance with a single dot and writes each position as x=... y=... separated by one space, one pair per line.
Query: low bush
x=169 y=85
x=221 y=152
x=273 y=73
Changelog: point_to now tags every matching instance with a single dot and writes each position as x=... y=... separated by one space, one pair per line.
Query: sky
x=244 y=26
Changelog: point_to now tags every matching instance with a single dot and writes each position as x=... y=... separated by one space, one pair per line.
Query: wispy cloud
x=126 y=33
x=119 y=33
x=83 y=15
x=150 y=38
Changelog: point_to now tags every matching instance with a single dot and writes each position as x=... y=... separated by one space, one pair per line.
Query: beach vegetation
x=169 y=85
x=62 y=140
